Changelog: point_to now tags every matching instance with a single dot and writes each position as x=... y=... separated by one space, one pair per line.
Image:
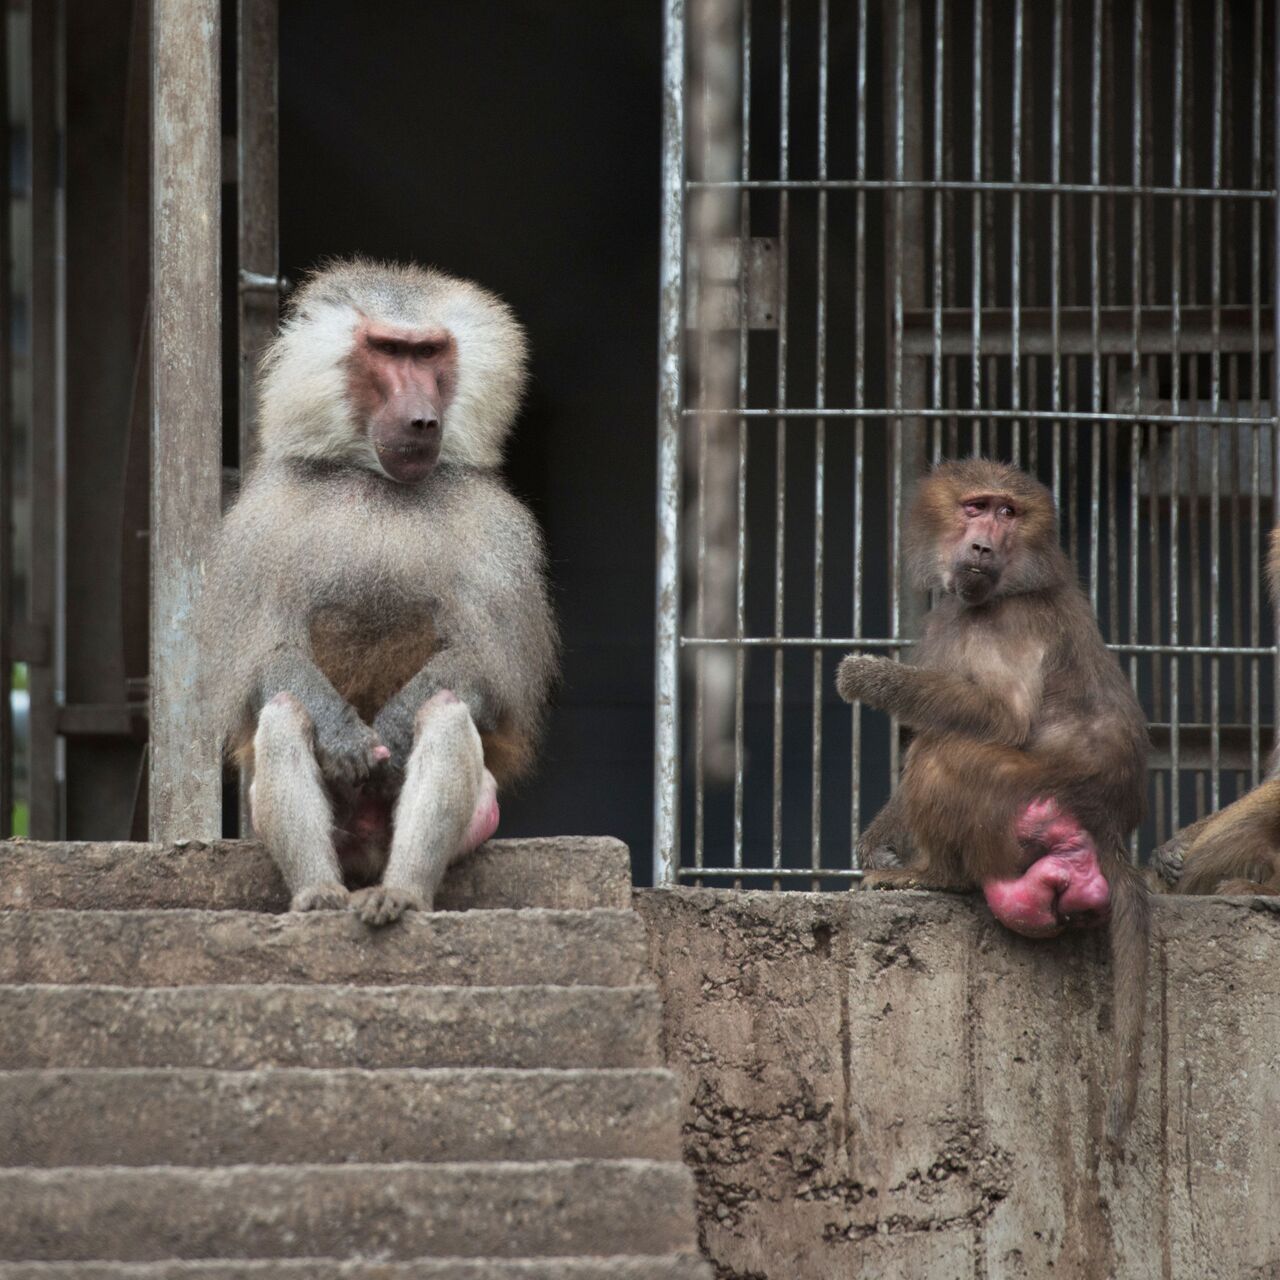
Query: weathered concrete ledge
x=563 y=873
x=891 y=1085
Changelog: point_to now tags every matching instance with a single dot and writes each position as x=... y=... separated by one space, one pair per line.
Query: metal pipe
x=666 y=783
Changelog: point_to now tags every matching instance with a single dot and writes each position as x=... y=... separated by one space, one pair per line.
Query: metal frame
x=1138 y=399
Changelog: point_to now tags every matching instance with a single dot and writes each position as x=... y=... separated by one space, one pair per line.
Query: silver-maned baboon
x=1028 y=769
x=380 y=645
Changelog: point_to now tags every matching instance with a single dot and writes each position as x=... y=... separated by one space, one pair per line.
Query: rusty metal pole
x=186 y=405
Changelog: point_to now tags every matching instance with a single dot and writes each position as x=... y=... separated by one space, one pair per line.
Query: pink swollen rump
x=1063 y=887
x=484 y=819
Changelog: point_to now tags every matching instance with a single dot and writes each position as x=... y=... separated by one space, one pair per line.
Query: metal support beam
x=666 y=785
x=186 y=454
x=42 y=595
x=257 y=173
x=6 y=472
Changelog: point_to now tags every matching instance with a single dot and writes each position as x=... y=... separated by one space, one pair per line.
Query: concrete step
x=394 y=1211
x=671 y=1267
x=443 y=948
x=248 y=1027
x=564 y=873
x=142 y=1117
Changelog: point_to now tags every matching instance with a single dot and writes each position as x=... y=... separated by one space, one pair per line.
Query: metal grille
x=902 y=231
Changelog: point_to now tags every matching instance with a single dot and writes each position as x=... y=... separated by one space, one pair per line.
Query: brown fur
x=1013 y=696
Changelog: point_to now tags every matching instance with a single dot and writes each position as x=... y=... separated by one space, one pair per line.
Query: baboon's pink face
x=981 y=546
x=400 y=383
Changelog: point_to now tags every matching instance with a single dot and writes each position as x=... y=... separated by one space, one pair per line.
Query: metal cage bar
x=1077 y=223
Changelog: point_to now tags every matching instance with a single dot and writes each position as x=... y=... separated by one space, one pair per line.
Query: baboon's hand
x=394 y=728
x=347 y=749
x=863 y=677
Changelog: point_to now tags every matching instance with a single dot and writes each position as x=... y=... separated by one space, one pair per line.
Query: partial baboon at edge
x=1235 y=851
x=380 y=644
x=1027 y=772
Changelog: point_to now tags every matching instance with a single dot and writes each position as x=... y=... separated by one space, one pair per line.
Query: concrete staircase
x=191 y=1086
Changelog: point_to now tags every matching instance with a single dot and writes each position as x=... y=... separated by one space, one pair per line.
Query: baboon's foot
x=384 y=903
x=327 y=896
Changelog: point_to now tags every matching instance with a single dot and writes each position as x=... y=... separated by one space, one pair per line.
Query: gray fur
x=319 y=535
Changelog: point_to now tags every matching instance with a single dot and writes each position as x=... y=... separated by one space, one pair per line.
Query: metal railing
x=904 y=231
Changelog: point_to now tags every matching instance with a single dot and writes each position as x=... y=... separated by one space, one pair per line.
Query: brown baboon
x=375 y=613
x=1238 y=849
x=1028 y=769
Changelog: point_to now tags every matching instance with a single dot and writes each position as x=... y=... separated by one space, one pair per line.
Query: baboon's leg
x=447 y=806
x=290 y=806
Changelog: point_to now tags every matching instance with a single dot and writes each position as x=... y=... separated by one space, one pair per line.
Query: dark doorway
x=518 y=144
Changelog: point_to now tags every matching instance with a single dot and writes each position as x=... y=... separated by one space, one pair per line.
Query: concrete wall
x=890 y=1085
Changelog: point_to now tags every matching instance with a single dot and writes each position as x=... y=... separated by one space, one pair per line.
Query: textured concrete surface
x=685 y=1267
x=241 y=1028
x=76 y=1117
x=385 y=1211
x=890 y=1085
x=446 y=948
x=564 y=873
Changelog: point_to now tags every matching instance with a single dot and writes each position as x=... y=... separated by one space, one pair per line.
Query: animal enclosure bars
x=905 y=231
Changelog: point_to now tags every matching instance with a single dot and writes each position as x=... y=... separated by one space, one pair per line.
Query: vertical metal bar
x=700 y=84
x=42 y=595
x=1055 y=252
x=1236 y=590
x=1075 y=427
x=1015 y=263
x=1275 y=333
x=666 y=782
x=1193 y=434
x=907 y=207
x=780 y=458
x=859 y=430
x=257 y=165
x=1155 y=559
x=1175 y=457
x=819 y=442
x=700 y=624
x=1095 y=297
x=939 y=54
x=257 y=173
x=1135 y=350
x=1255 y=398
x=1215 y=401
x=1112 y=623
x=6 y=469
x=988 y=213
x=975 y=302
x=950 y=236
x=1030 y=146
x=895 y=424
x=740 y=562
